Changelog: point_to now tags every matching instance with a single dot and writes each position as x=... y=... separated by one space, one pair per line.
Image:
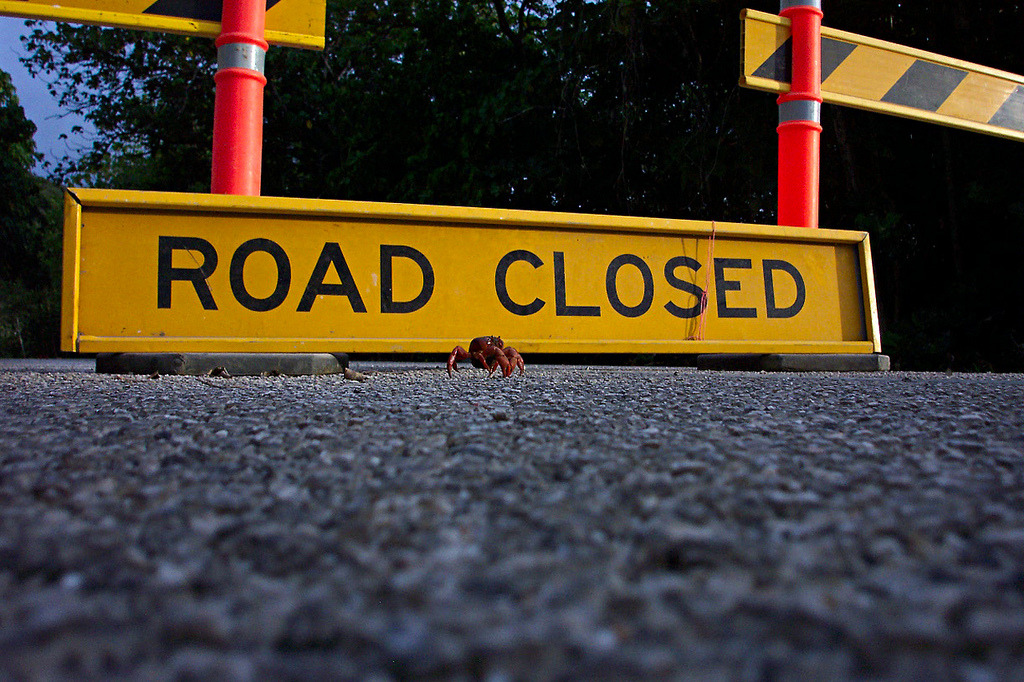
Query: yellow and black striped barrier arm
x=885 y=77
x=290 y=23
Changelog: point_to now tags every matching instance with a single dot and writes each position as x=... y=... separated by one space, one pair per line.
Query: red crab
x=488 y=352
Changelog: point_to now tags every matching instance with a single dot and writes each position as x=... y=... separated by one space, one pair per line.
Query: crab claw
x=514 y=360
x=500 y=361
x=458 y=353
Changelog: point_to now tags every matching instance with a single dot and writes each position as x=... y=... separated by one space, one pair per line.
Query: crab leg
x=458 y=353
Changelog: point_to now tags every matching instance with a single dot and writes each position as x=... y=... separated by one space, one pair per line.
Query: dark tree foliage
x=623 y=107
x=603 y=106
x=30 y=244
x=148 y=95
x=944 y=207
x=20 y=214
x=29 y=237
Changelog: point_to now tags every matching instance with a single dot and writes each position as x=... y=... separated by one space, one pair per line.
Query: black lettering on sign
x=501 y=284
x=284 y=275
x=723 y=285
x=331 y=255
x=561 y=309
x=770 y=266
x=166 y=273
x=611 y=284
x=387 y=303
x=683 y=285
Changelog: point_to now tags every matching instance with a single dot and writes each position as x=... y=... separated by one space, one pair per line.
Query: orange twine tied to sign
x=702 y=321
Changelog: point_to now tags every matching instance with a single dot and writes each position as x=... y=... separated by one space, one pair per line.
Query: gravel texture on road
x=588 y=523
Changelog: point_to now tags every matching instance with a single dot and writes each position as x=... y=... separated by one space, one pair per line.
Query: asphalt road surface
x=588 y=523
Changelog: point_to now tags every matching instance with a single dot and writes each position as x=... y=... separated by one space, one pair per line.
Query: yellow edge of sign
x=766 y=17
x=140 y=201
x=93 y=344
x=145 y=22
x=764 y=84
x=769 y=85
x=874 y=332
x=743 y=47
x=70 y=288
x=921 y=115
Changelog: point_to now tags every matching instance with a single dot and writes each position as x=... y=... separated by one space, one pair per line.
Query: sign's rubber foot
x=795 y=362
x=231 y=364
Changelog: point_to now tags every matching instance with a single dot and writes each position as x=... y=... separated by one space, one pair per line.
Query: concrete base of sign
x=233 y=364
x=794 y=362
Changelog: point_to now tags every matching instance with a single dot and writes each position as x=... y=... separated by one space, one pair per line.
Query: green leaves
x=17 y=150
x=149 y=97
x=29 y=246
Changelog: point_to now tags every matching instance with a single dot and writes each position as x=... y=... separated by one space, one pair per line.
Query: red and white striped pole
x=238 y=105
x=800 y=118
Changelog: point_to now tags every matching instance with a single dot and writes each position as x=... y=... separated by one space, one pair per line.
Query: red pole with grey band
x=800 y=118
x=238 y=104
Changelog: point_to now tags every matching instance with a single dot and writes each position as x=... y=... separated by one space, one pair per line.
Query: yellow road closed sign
x=161 y=272
x=291 y=23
